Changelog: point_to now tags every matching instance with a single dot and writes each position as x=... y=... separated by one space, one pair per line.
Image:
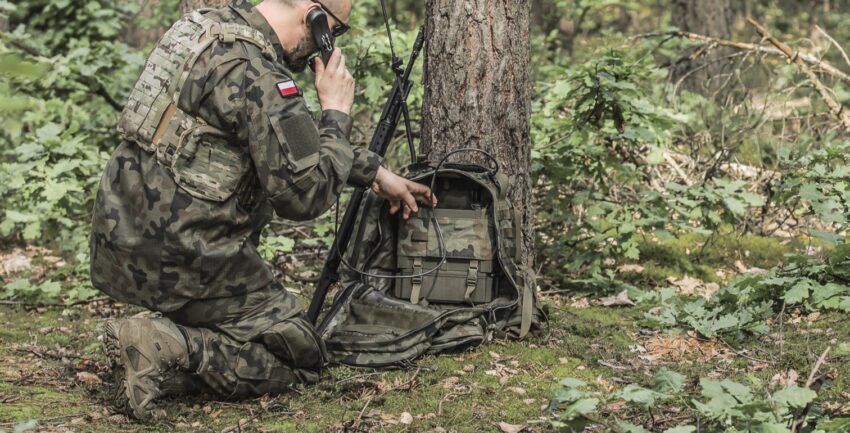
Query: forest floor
x=52 y=370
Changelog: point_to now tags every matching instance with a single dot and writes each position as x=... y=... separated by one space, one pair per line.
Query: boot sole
x=121 y=398
x=112 y=348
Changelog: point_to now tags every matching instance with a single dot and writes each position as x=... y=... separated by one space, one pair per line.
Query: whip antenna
x=396 y=61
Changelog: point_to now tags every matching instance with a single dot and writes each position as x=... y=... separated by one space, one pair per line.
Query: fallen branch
x=808 y=58
x=834 y=106
x=678 y=170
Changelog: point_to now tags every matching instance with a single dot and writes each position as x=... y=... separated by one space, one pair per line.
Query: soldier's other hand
x=334 y=83
x=401 y=192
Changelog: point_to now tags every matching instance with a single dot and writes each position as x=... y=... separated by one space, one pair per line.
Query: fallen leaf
x=406 y=418
x=630 y=268
x=580 y=303
x=693 y=287
x=14 y=263
x=622 y=298
x=743 y=269
x=449 y=382
x=615 y=406
x=678 y=348
x=517 y=390
x=88 y=378
x=511 y=428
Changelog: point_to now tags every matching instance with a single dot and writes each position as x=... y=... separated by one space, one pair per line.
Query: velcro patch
x=288 y=88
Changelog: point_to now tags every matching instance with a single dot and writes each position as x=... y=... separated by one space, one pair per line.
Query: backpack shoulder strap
x=226 y=33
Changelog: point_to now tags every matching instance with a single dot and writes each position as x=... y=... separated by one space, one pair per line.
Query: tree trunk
x=477 y=89
x=190 y=5
x=138 y=36
x=710 y=18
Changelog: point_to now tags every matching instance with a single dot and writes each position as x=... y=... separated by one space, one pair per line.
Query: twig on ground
x=800 y=418
x=37 y=304
x=834 y=43
x=359 y=376
x=781 y=335
x=238 y=427
x=817 y=366
x=795 y=58
x=356 y=422
x=300 y=279
x=449 y=397
x=47 y=420
x=744 y=355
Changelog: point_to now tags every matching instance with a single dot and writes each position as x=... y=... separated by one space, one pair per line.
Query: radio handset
x=317 y=21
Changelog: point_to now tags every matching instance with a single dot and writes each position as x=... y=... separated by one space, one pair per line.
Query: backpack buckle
x=416 y=280
x=471 y=280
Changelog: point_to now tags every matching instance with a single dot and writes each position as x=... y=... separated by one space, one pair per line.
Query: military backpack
x=446 y=279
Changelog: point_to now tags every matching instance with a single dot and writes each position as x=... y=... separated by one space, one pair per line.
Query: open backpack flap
x=446 y=279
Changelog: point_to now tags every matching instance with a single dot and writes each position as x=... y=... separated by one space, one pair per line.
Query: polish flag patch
x=288 y=88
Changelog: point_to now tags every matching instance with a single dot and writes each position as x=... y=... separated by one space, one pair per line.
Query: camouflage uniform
x=195 y=260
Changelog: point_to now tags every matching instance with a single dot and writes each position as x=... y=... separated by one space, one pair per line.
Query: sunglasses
x=340 y=28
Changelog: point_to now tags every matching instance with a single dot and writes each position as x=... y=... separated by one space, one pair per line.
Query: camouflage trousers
x=252 y=344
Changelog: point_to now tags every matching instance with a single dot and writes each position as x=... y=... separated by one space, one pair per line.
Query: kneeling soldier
x=216 y=137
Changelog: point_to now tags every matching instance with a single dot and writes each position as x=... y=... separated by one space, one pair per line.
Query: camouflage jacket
x=155 y=245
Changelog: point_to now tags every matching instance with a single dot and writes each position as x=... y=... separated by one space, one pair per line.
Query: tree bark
x=713 y=18
x=190 y=5
x=477 y=90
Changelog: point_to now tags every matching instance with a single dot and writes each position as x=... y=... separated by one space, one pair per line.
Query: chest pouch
x=203 y=161
x=468 y=275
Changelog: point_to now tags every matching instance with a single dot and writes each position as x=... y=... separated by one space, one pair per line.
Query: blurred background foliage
x=640 y=136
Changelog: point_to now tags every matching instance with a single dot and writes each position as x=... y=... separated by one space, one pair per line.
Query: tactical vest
x=205 y=161
x=482 y=290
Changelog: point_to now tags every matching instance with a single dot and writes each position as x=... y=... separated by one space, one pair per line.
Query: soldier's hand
x=334 y=83
x=401 y=192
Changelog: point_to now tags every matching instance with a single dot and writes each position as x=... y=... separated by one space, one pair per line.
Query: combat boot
x=143 y=352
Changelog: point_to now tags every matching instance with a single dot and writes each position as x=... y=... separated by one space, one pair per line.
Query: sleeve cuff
x=364 y=167
x=336 y=119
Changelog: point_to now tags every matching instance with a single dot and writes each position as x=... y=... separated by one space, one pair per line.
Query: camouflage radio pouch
x=467 y=276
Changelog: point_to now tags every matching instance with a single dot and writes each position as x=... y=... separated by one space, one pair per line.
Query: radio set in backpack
x=443 y=280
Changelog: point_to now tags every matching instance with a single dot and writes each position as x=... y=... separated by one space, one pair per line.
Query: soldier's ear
x=308 y=17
